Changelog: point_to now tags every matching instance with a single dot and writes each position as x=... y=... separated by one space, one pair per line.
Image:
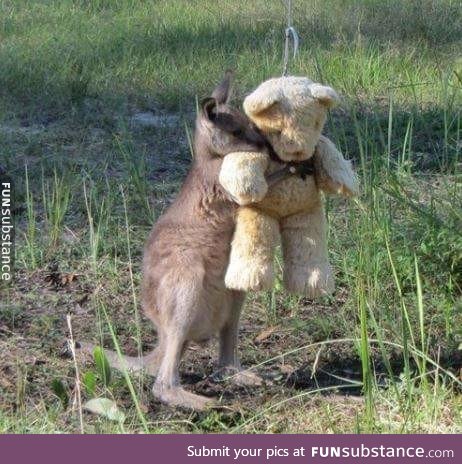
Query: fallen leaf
x=79 y=310
x=265 y=334
x=144 y=408
x=286 y=368
x=67 y=279
x=105 y=407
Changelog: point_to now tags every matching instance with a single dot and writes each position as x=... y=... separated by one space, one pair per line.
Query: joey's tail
x=148 y=363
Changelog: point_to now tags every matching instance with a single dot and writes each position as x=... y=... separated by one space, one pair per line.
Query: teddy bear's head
x=291 y=112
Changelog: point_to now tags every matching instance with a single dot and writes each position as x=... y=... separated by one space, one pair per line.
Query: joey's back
x=193 y=237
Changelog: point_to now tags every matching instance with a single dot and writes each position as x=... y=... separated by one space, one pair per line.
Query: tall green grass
x=65 y=51
x=75 y=71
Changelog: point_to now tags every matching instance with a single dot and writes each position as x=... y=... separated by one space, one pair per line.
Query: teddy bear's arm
x=242 y=175
x=334 y=174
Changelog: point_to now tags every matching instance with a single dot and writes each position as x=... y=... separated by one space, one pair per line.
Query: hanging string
x=290 y=32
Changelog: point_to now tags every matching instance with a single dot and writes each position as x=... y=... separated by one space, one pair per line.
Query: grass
x=382 y=355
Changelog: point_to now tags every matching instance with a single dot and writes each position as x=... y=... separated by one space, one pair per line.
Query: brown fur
x=187 y=253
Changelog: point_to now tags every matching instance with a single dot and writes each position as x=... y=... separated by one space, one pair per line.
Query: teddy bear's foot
x=249 y=277
x=313 y=281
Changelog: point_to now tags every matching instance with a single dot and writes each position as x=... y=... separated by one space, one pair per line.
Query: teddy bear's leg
x=252 y=251
x=306 y=266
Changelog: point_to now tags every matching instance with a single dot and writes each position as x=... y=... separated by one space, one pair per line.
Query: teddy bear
x=291 y=113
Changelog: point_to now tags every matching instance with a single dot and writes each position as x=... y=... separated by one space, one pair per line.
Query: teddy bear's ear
x=325 y=94
x=260 y=101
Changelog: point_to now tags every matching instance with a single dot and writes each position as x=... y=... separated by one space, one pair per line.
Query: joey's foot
x=313 y=281
x=177 y=396
x=249 y=276
x=238 y=376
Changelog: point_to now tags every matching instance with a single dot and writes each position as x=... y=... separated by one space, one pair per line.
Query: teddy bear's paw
x=249 y=277
x=312 y=282
x=249 y=197
x=242 y=175
x=251 y=191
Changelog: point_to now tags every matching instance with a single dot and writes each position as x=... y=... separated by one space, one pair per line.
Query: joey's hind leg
x=152 y=360
x=167 y=386
x=180 y=312
x=228 y=361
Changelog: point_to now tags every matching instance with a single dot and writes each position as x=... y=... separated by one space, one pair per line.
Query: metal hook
x=289 y=32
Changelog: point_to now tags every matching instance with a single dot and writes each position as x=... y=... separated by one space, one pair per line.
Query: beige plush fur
x=291 y=112
x=250 y=186
x=334 y=173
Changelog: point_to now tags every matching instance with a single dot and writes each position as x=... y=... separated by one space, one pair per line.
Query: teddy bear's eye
x=237 y=132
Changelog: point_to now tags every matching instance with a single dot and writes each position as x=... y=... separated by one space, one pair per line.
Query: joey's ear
x=209 y=108
x=222 y=92
x=325 y=94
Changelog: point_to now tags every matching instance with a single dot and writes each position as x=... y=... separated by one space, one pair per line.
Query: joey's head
x=291 y=113
x=222 y=129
